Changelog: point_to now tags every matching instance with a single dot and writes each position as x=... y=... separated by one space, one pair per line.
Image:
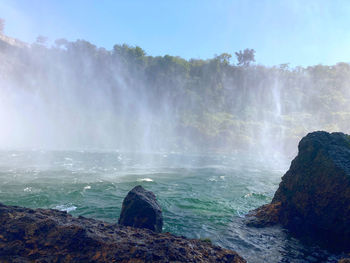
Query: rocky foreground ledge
x=313 y=199
x=44 y=235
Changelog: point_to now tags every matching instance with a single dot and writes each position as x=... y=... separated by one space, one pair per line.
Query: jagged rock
x=44 y=235
x=266 y=215
x=344 y=260
x=314 y=194
x=140 y=209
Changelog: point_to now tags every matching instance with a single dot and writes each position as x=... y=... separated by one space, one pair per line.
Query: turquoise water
x=201 y=196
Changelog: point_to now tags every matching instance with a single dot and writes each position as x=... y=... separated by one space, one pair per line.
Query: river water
x=202 y=196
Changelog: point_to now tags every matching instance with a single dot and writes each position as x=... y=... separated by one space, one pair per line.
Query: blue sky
x=301 y=32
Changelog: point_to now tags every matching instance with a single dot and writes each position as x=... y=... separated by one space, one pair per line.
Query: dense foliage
x=177 y=104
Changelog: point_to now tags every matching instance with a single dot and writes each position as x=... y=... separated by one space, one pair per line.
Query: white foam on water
x=87 y=187
x=145 y=180
x=68 y=208
x=27 y=189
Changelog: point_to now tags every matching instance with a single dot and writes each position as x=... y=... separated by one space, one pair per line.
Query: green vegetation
x=212 y=105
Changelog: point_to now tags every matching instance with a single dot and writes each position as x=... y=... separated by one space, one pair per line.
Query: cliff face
x=313 y=198
x=43 y=235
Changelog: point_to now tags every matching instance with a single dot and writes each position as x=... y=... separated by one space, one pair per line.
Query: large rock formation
x=314 y=196
x=44 y=235
x=140 y=209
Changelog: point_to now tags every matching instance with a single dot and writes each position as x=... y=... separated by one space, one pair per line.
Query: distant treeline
x=211 y=105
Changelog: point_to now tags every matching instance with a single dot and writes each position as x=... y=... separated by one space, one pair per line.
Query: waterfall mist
x=51 y=98
x=74 y=95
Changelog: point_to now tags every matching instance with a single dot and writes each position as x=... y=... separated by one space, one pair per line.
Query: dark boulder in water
x=140 y=209
x=45 y=235
x=313 y=198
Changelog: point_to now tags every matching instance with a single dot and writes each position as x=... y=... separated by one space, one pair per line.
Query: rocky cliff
x=313 y=198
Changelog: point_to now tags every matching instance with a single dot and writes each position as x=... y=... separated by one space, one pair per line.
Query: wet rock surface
x=264 y=216
x=44 y=235
x=140 y=209
x=313 y=198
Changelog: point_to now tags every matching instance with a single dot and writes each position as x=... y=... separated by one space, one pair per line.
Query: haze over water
x=83 y=122
x=202 y=196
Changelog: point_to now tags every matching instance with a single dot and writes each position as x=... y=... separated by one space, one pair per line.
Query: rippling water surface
x=201 y=196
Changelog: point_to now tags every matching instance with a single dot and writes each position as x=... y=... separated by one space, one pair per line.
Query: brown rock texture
x=140 y=209
x=266 y=215
x=44 y=235
x=313 y=198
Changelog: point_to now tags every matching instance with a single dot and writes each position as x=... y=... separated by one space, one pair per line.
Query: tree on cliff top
x=246 y=57
x=2 y=26
x=42 y=40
